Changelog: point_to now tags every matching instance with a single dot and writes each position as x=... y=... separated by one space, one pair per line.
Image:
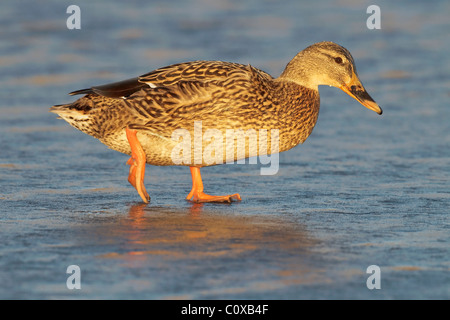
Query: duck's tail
x=76 y=114
x=60 y=108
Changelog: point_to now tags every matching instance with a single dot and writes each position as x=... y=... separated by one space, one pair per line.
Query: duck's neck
x=299 y=72
x=298 y=112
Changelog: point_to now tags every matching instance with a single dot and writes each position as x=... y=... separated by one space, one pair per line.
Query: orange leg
x=197 y=194
x=137 y=165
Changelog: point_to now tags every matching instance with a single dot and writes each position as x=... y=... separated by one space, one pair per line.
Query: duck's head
x=327 y=63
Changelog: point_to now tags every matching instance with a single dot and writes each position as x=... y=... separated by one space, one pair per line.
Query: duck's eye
x=338 y=60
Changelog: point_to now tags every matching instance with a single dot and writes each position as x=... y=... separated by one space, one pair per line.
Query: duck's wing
x=197 y=71
x=197 y=89
x=185 y=91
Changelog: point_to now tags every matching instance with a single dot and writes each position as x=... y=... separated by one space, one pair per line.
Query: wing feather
x=118 y=89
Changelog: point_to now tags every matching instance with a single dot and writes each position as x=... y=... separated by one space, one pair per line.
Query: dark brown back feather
x=118 y=89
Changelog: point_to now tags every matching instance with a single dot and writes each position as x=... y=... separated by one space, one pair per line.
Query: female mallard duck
x=139 y=116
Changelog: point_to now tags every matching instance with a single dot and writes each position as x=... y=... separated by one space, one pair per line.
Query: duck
x=139 y=116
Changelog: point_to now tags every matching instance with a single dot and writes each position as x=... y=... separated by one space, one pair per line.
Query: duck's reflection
x=214 y=236
x=201 y=231
x=196 y=209
x=137 y=211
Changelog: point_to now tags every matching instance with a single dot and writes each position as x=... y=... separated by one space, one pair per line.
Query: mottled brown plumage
x=222 y=95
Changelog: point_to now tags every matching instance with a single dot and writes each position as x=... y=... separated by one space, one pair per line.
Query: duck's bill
x=356 y=90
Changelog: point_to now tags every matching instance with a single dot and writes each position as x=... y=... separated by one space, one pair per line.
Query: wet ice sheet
x=362 y=190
